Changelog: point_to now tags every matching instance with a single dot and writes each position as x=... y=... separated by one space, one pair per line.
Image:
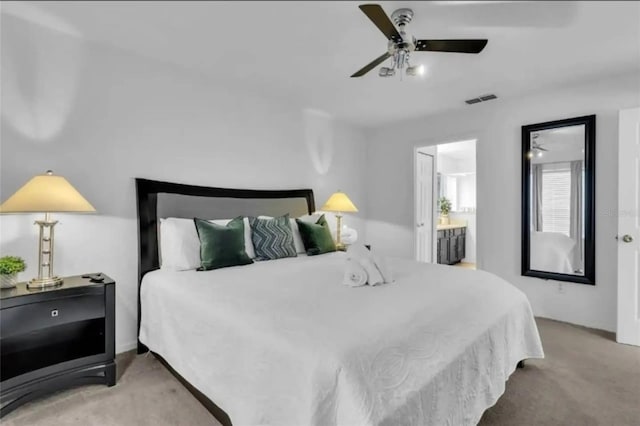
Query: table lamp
x=46 y=194
x=339 y=203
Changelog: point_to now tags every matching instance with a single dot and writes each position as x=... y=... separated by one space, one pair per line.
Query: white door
x=424 y=207
x=628 y=330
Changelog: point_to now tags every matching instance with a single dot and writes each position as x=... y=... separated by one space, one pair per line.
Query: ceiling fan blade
x=371 y=65
x=382 y=21
x=459 y=46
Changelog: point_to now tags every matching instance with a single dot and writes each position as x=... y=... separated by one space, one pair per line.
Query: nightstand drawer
x=36 y=316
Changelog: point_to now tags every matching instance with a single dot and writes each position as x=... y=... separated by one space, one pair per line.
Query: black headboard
x=157 y=199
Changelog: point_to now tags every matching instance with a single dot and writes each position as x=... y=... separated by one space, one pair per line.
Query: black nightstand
x=55 y=338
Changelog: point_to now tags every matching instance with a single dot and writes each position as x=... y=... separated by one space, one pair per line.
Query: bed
x=283 y=342
x=553 y=252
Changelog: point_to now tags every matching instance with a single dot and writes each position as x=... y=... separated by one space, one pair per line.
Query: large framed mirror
x=558 y=200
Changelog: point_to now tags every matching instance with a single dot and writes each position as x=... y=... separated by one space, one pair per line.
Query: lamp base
x=41 y=283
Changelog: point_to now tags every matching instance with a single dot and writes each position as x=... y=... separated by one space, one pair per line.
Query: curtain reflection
x=576 y=225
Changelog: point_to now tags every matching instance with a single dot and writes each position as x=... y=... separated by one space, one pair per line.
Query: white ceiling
x=461 y=151
x=304 y=52
x=562 y=144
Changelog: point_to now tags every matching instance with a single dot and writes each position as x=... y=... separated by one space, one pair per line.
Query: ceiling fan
x=536 y=147
x=402 y=44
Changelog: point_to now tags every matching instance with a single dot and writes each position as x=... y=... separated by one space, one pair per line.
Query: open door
x=424 y=207
x=628 y=329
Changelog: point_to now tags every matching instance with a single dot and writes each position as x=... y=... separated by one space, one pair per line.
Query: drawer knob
x=54 y=312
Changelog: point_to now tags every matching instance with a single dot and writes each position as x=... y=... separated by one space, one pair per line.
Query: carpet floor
x=586 y=379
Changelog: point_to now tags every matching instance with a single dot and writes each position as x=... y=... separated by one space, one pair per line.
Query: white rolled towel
x=354 y=274
x=358 y=251
x=362 y=255
x=375 y=277
x=385 y=269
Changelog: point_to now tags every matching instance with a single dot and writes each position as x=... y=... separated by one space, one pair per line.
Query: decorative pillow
x=179 y=245
x=309 y=218
x=272 y=237
x=221 y=246
x=316 y=237
x=297 y=238
x=248 y=244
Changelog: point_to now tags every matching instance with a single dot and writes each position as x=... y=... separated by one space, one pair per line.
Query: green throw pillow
x=221 y=246
x=316 y=237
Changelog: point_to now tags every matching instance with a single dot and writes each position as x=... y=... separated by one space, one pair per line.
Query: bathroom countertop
x=451 y=226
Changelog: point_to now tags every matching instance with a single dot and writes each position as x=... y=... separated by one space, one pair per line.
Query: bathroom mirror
x=558 y=200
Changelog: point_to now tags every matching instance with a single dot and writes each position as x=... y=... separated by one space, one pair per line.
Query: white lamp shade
x=339 y=202
x=46 y=194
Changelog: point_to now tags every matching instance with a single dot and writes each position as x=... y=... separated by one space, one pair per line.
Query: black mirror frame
x=589 y=276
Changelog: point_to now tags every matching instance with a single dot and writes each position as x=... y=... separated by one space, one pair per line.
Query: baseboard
x=126 y=347
x=597 y=329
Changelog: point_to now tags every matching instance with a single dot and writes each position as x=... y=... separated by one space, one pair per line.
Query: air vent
x=482 y=98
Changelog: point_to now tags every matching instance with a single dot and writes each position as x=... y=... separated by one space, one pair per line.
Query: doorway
x=446 y=204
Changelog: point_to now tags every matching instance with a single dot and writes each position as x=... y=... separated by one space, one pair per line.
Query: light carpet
x=586 y=379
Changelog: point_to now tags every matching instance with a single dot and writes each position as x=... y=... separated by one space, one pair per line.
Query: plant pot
x=444 y=219
x=8 y=280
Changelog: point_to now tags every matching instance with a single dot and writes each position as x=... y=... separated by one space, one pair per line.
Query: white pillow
x=180 y=245
x=297 y=238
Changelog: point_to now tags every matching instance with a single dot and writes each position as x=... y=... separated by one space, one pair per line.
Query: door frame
x=433 y=143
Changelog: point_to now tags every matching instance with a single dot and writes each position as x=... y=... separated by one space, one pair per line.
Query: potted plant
x=9 y=268
x=445 y=208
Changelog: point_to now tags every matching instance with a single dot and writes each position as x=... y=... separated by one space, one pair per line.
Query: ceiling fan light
x=386 y=72
x=415 y=70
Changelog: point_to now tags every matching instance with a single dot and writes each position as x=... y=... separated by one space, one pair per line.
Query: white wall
x=497 y=126
x=467 y=192
x=465 y=176
x=101 y=117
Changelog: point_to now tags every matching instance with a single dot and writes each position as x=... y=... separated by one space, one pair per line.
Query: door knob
x=627 y=238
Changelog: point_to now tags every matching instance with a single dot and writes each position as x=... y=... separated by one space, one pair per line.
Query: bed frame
x=156 y=199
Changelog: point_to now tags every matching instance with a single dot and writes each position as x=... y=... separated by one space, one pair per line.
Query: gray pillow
x=272 y=238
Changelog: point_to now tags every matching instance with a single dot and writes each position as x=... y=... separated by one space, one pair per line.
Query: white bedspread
x=283 y=342
x=552 y=252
